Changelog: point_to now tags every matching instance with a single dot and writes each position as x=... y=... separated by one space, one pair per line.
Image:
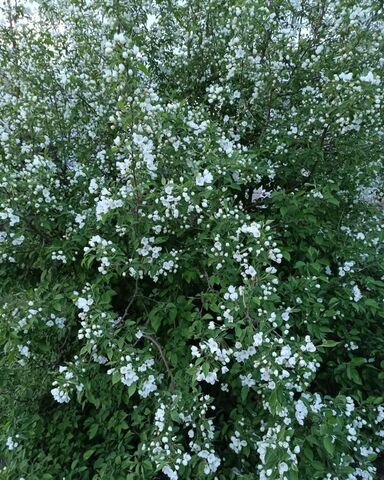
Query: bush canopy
x=191 y=239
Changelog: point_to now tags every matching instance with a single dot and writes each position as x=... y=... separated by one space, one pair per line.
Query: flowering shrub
x=191 y=256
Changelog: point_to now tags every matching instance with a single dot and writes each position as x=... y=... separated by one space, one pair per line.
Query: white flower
x=171 y=474
x=247 y=380
x=253 y=228
x=92 y=186
x=18 y=241
x=236 y=444
x=258 y=339
x=366 y=451
x=148 y=387
x=104 y=205
x=203 y=178
x=11 y=444
x=286 y=352
x=226 y=145
x=301 y=412
x=139 y=334
x=370 y=78
x=4 y=136
x=128 y=375
x=310 y=347
x=285 y=315
x=231 y=294
x=356 y=293
x=259 y=194
x=119 y=38
x=195 y=351
x=250 y=271
x=349 y=406
x=210 y=377
x=84 y=303
x=60 y=395
x=345 y=77
x=24 y=350
x=213 y=462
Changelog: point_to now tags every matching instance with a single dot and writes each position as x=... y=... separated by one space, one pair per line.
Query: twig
x=130 y=302
x=166 y=364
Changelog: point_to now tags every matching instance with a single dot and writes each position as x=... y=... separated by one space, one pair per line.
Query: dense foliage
x=191 y=239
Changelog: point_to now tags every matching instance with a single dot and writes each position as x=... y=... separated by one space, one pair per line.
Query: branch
x=166 y=364
x=124 y=316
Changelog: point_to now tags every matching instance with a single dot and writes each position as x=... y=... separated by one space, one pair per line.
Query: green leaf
x=328 y=445
x=329 y=344
x=93 y=430
x=88 y=454
x=371 y=303
x=132 y=389
x=357 y=361
x=308 y=453
x=205 y=368
x=143 y=68
x=244 y=393
x=155 y=322
x=116 y=377
x=287 y=255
